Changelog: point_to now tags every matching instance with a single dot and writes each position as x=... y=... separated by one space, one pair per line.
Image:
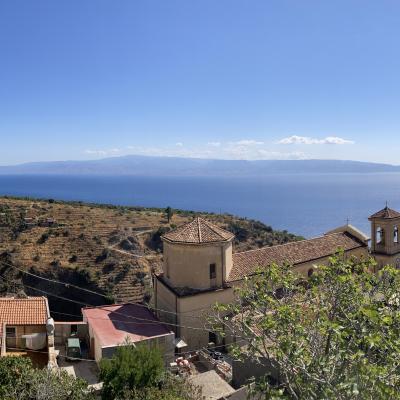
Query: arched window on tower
x=396 y=235
x=380 y=235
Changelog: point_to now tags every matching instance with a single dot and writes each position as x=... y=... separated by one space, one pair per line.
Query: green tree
x=169 y=212
x=138 y=373
x=131 y=368
x=20 y=381
x=333 y=336
x=171 y=388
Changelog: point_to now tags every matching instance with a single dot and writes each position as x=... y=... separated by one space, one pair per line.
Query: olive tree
x=335 y=335
x=19 y=380
x=138 y=373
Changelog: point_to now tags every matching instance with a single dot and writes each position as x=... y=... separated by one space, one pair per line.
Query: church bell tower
x=385 y=239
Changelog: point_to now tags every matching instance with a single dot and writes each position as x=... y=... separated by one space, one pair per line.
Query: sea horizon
x=304 y=204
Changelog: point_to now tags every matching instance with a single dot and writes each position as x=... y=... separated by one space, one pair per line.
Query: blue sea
x=306 y=204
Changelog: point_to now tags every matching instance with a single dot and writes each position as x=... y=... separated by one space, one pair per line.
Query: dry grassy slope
x=112 y=249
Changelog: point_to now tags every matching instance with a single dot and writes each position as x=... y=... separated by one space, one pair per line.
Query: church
x=200 y=267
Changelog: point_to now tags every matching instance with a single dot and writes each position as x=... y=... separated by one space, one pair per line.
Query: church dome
x=198 y=231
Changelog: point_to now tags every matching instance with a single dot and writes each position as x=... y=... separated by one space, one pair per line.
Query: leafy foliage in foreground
x=20 y=381
x=138 y=373
x=336 y=336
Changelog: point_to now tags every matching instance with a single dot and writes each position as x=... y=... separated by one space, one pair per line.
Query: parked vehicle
x=73 y=349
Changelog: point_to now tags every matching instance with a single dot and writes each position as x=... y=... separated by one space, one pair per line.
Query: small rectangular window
x=213 y=271
x=10 y=331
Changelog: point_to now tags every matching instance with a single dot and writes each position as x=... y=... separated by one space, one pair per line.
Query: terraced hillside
x=106 y=249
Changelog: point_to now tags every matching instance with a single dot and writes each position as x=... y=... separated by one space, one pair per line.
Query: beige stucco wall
x=23 y=330
x=187 y=265
x=98 y=350
x=305 y=267
x=193 y=312
x=190 y=313
x=63 y=331
x=164 y=342
x=165 y=299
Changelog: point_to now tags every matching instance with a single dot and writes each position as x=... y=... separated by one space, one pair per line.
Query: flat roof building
x=115 y=325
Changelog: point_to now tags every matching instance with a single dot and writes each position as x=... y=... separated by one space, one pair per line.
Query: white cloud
x=277 y=155
x=106 y=152
x=225 y=151
x=248 y=143
x=170 y=151
x=309 y=140
x=239 y=150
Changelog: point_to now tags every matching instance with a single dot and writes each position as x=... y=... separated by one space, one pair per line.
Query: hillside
x=104 y=248
x=135 y=165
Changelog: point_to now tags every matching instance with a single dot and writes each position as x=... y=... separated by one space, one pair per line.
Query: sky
x=249 y=79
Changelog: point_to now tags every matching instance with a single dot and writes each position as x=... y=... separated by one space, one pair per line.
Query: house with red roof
x=116 y=325
x=26 y=325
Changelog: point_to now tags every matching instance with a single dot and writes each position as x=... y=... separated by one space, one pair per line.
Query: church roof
x=198 y=231
x=386 y=213
x=246 y=263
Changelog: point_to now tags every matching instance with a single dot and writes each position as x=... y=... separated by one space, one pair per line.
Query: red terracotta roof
x=294 y=253
x=198 y=231
x=113 y=324
x=27 y=311
x=386 y=213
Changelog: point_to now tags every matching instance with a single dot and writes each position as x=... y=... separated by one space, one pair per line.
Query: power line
x=107 y=319
x=115 y=320
x=98 y=293
x=115 y=312
x=87 y=359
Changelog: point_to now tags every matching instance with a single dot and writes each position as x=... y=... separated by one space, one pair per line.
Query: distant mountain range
x=174 y=166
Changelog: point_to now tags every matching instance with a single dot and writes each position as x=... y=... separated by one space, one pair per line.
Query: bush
x=73 y=259
x=19 y=380
x=131 y=368
x=56 y=264
x=103 y=256
x=45 y=236
x=83 y=275
x=332 y=336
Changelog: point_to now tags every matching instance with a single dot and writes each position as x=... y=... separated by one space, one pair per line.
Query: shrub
x=103 y=256
x=131 y=368
x=45 y=236
x=73 y=259
x=19 y=380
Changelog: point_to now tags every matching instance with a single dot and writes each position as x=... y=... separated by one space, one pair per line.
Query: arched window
x=396 y=235
x=380 y=235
